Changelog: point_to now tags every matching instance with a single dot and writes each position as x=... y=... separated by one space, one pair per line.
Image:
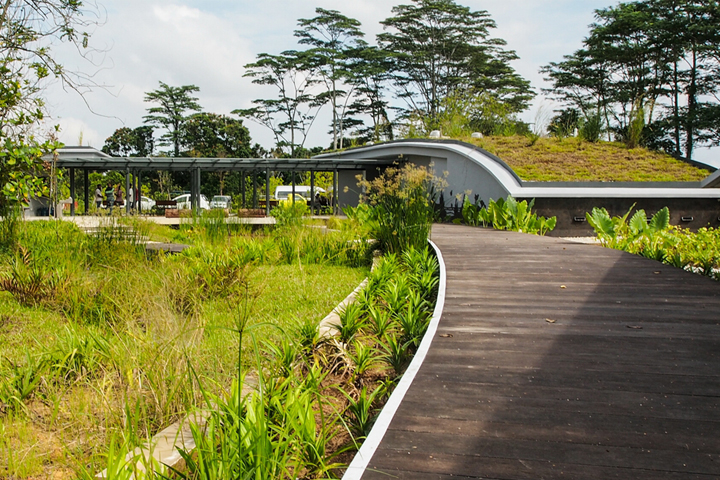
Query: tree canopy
x=439 y=48
x=130 y=142
x=27 y=32
x=333 y=38
x=652 y=68
x=292 y=112
x=170 y=115
x=216 y=136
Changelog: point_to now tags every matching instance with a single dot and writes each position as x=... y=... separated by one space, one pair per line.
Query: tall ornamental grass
x=399 y=208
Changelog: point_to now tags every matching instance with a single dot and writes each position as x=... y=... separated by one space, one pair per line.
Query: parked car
x=183 y=202
x=146 y=203
x=221 y=201
x=298 y=199
x=284 y=191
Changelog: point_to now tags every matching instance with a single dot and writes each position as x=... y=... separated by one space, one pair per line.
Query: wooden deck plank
x=512 y=396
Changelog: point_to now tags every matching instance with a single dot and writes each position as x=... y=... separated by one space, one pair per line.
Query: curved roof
x=497 y=171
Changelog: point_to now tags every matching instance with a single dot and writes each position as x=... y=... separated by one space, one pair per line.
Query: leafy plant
x=619 y=232
x=290 y=214
x=360 y=410
x=21 y=383
x=218 y=272
x=351 y=322
x=363 y=358
x=657 y=239
x=76 y=355
x=284 y=354
x=32 y=282
x=395 y=294
x=508 y=214
x=380 y=321
x=397 y=353
x=591 y=128
x=308 y=337
x=413 y=322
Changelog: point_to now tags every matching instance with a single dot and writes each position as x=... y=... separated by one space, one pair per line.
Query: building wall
x=468 y=171
x=692 y=213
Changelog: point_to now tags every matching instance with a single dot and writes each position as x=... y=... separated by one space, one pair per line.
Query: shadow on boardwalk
x=565 y=361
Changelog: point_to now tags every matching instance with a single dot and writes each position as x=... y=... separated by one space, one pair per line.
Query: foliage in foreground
x=507 y=215
x=657 y=239
x=315 y=397
x=97 y=333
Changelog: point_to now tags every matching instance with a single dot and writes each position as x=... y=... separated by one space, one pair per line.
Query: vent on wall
x=578 y=219
x=687 y=219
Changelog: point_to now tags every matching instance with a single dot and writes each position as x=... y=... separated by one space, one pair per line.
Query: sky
x=138 y=43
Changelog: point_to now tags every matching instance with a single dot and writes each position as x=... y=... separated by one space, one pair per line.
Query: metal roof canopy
x=92 y=159
x=86 y=159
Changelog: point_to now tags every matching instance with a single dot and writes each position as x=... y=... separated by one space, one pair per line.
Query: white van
x=282 y=192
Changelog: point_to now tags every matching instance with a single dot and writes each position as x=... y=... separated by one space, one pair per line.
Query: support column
x=267 y=191
x=242 y=188
x=72 y=192
x=254 y=192
x=192 y=190
x=86 y=175
x=312 y=192
x=335 y=192
x=127 y=189
x=198 y=185
x=139 y=192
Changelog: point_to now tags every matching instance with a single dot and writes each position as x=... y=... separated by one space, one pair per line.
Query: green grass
x=571 y=159
x=112 y=340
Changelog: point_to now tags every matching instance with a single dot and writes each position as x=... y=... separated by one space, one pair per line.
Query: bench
x=165 y=204
x=251 y=212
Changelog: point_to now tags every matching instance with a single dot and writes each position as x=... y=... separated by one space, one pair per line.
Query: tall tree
x=440 y=48
x=27 y=32
x=173 y=102
x=332 y=37
x=130 y=142
x=649 y=61
x=370 y=74
x=291 y=114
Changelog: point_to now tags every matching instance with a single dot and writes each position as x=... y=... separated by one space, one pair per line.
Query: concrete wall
x=692 y=213
x=349 y=194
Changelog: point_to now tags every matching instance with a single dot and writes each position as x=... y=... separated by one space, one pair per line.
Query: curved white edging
x=367 y=450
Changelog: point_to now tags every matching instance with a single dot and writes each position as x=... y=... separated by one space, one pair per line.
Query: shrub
x=402 y=212
x=32 y=282
x=657 y=239
x=289 y=214
x=592 y=127
x=508 y=214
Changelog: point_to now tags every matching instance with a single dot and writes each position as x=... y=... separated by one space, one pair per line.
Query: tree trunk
x=692 y=104
x=676 y=108
x=334 y=107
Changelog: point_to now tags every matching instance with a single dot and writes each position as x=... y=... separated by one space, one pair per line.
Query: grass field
x=571 y=159
x=98 y=340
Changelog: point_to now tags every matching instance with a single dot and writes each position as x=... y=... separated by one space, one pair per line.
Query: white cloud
x=75 y=131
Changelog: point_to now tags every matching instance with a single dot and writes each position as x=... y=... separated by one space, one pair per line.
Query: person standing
x=118 y=196
x=98 y=197
x=110 y=197
x=131 y=197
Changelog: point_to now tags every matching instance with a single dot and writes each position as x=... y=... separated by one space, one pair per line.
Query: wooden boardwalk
x=564 y=361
